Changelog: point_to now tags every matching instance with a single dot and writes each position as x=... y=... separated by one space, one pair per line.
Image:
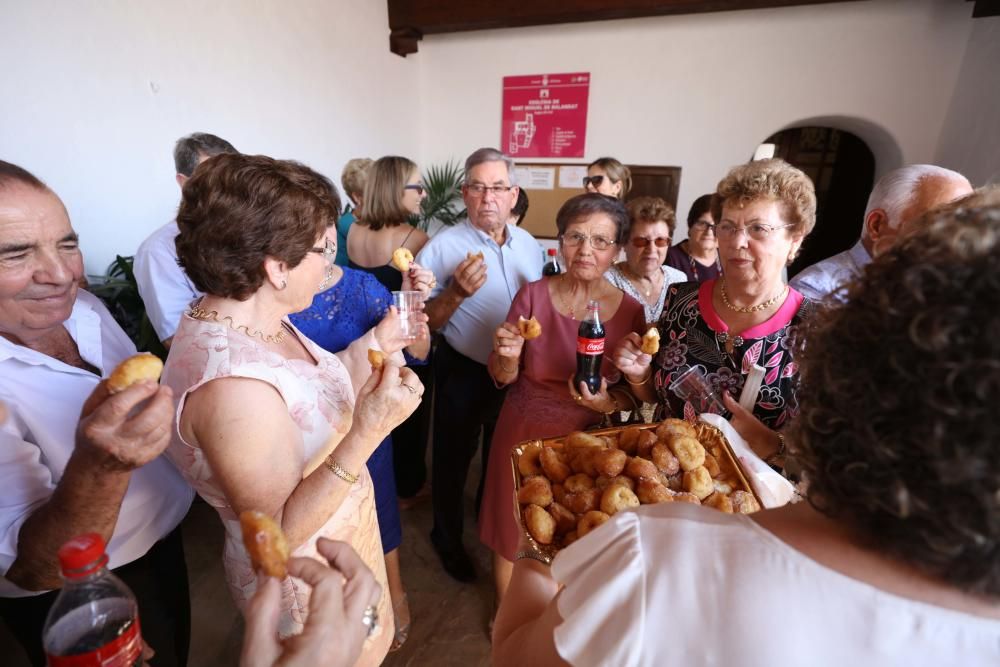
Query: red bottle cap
x=551 y=252
x=82 y=555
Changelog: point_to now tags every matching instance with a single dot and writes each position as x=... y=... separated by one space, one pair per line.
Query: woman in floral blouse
x=744 y=318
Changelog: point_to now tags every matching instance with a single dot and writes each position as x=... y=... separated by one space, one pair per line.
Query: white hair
x=491 y=155
x=895 y=191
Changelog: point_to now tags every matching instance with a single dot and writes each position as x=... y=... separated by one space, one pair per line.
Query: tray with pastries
x=569 y=485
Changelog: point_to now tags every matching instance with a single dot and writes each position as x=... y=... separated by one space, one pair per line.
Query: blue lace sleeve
x=377 y=300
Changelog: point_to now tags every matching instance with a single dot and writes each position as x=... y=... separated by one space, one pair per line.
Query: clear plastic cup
x=692 y=386
x=409 y=304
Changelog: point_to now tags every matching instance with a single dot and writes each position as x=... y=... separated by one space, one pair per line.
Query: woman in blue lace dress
x=354 y=304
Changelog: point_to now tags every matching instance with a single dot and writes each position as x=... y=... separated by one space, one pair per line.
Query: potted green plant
x=443 y=185
x=120 y=293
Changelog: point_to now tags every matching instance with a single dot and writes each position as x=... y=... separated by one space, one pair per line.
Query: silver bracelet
x=534 y=555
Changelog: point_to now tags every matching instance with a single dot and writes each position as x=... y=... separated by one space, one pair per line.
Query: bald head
x=904 y=195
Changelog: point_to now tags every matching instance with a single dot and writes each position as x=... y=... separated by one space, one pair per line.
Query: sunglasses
x=419 y=187
x=640 y=242
x=593 y=180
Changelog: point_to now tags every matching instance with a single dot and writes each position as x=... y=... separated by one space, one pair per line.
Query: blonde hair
x=354 y=176
x=770 y=179
x=382 y=204
x=616 y=171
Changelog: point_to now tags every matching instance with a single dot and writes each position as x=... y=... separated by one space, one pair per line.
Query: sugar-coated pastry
x=540 y=524
x=582 y=461
x=604 y=482
x=723 y=485
x=579 y=440
x=136 y=368
x=528 y=463
x=638 y=467
x=558 y=493
x=664 y=459
x=644 y=446
x=689 y=452
x=265 y=542
x=402 y=258
x=554 y=465
x=376 y=359
x=671 y=428
x=686 y=497
x=651 y=341
x=529 y=328
x=565 y=520
x=579 y=482
x=651 y=492
x=699 y=482
x=617 y=498
x=590 y=521
x=719 y=501
x=583 y=501
x=609 y=462
x=712 y=464
x=628 y=439
x=744 y=502
x=535 y=491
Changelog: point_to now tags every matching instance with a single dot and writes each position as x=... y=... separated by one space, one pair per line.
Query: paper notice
x=536 y=178
x=571 y=176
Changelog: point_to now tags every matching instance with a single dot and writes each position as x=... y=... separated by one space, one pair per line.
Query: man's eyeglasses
x=575 y=239
x=419 y=187
x=703 y=224
x=593 y=180
x=478 y=189
x=758 y=231
x=640 y=242
x=329 y=251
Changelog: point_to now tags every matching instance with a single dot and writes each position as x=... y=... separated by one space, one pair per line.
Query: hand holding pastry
x=401 y=259
x=469 y=276
x=265 y=542
x=529 y=328
x=508 y=341
x=629 y=358
x=419 y=279
x=651 y=342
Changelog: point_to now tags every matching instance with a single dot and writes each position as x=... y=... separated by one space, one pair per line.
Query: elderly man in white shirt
x=488 y=259
x=899 y=198
x=60 y=478
x=165 y=289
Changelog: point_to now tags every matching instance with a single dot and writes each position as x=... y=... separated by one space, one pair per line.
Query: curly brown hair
x=650 y=209
x=897 y=432
x=770 y=179
x=236 y=210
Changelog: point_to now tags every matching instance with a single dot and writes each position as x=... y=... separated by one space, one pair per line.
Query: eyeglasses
x=596 y=242
x=659 y=242
x=593 y=180
x=478 y=189
x=419 y=187
x=758 y=231
x=703 y=224
x=329 y=251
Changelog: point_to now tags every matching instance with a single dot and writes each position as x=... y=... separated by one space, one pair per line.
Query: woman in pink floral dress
x=267 y=420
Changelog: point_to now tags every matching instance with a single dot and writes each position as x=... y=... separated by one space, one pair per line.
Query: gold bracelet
x=533 y=555
x=614 y=403
x=504 y=368
x=339 y=471
x=642 y=381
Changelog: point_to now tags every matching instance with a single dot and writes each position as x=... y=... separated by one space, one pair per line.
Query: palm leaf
x=443 y=184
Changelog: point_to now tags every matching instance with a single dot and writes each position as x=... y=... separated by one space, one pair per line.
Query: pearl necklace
x=752 y=309
x=198 y=313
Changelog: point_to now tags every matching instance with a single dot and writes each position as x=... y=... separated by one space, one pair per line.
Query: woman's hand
x=599 y=402
x=333 y=633
x=508 y=342
x=419 y=279
x=389 y=332
x=389 y=396
x=629 y=358
x=762 y=440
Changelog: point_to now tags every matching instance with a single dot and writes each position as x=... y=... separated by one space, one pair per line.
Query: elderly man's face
x=40 y=263
x=489 y=210
x=930 y=193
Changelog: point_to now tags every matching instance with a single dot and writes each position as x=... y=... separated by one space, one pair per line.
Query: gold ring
x=578 y=398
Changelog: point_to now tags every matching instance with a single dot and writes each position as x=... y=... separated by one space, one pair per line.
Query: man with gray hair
x=165 y=289
x=899 y=198
x=488 y=260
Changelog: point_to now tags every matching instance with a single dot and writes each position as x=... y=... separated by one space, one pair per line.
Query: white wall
x=970 y=142
x=96 y=92
x=701 y=91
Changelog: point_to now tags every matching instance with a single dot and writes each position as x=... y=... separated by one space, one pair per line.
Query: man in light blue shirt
x=165 y=289
x=481 y=264
x=899 y=198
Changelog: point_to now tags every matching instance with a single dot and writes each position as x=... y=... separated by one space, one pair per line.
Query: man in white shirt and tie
x=63 y=473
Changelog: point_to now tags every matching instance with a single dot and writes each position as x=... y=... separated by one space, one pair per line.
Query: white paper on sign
x=571 y=176
x=773 y=489
x=539 y=178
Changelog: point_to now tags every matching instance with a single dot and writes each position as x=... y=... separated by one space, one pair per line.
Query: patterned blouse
x=693 y=334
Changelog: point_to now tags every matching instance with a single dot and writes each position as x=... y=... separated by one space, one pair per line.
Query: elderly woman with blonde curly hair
x=727 y=326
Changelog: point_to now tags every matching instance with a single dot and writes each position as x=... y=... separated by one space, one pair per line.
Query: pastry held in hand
x=401 y=259
x=651 y=341
x=134 y=369
x=529 y=328
x=479 y=255
x=265 y=543
x=376 y=359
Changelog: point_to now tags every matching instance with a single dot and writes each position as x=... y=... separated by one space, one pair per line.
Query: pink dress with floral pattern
x=320 y=400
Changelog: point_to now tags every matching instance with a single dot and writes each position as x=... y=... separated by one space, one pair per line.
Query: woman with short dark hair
x=698 y=255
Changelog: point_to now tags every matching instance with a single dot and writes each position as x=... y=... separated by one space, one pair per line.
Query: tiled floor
x=449 y=618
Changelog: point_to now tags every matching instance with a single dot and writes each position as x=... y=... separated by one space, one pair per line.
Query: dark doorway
x=842 y=168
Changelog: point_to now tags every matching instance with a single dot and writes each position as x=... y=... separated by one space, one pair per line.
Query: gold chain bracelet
x=340 y=471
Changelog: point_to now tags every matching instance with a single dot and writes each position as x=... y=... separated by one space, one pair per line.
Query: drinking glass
x=408 y=303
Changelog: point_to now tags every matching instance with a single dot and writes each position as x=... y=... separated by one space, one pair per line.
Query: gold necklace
x=647 y=293
x=567 y=305
x=751 y=309
x=199 y=313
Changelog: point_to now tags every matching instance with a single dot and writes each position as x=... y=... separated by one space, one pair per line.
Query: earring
x=284 y=284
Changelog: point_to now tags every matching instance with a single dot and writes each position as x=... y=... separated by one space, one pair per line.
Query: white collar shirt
x=44 y=397
x=824 y=279
x=165 y=289
x=519 y=260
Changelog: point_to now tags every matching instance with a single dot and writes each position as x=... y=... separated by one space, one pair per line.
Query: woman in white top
x=643 y=275
x=894 y=559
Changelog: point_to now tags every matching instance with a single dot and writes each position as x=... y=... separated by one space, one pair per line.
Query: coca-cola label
x=124 y=650
x=589 y=346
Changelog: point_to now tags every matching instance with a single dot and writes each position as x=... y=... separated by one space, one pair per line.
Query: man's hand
x=469 y=276
x=119 y=433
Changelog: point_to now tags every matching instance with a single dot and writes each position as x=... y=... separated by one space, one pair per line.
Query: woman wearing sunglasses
x=608 y=176
x=643 y=275
x=698 y=255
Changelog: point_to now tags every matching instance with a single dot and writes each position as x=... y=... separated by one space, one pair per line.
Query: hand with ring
x=342 y=613
x=599 y=402
x=390 y=395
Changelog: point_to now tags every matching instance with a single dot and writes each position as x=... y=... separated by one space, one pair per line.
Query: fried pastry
x=553 y=465
x=579 y=440
x=686 y=497
x=376 y=359
x=570 y=537
x=565 y=520
x=675 y=428
x=699 y=482
x=578 y=483
x=719 y=501
x=651 y=341
x=529 y=328
x=617 y=498
x=265 y=543
x=744 y=502
x=689 y=452
x=628 y=440
x=479 y=255
x=651 y=492
x=664 y=459
x=582 y=461
x=638 y=468
x=540 y=524
x=136 y=368
x=609 y=462
x=583 y=501
x=528 y=463
x=647 y=440
x=712 y=464
x=535 y=491
x=558 y=493
x=604 y=482
x=590 y=521
x=402 y=258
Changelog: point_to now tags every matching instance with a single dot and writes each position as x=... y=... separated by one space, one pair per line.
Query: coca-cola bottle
x=590 y=349
x=94 y=619
x=551 y=267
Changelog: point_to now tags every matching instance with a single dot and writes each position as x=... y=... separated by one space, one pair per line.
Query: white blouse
x=670 y=276
x=680 y=584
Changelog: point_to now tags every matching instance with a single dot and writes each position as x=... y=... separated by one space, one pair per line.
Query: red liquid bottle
x=590 y=349
x=94 y=621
